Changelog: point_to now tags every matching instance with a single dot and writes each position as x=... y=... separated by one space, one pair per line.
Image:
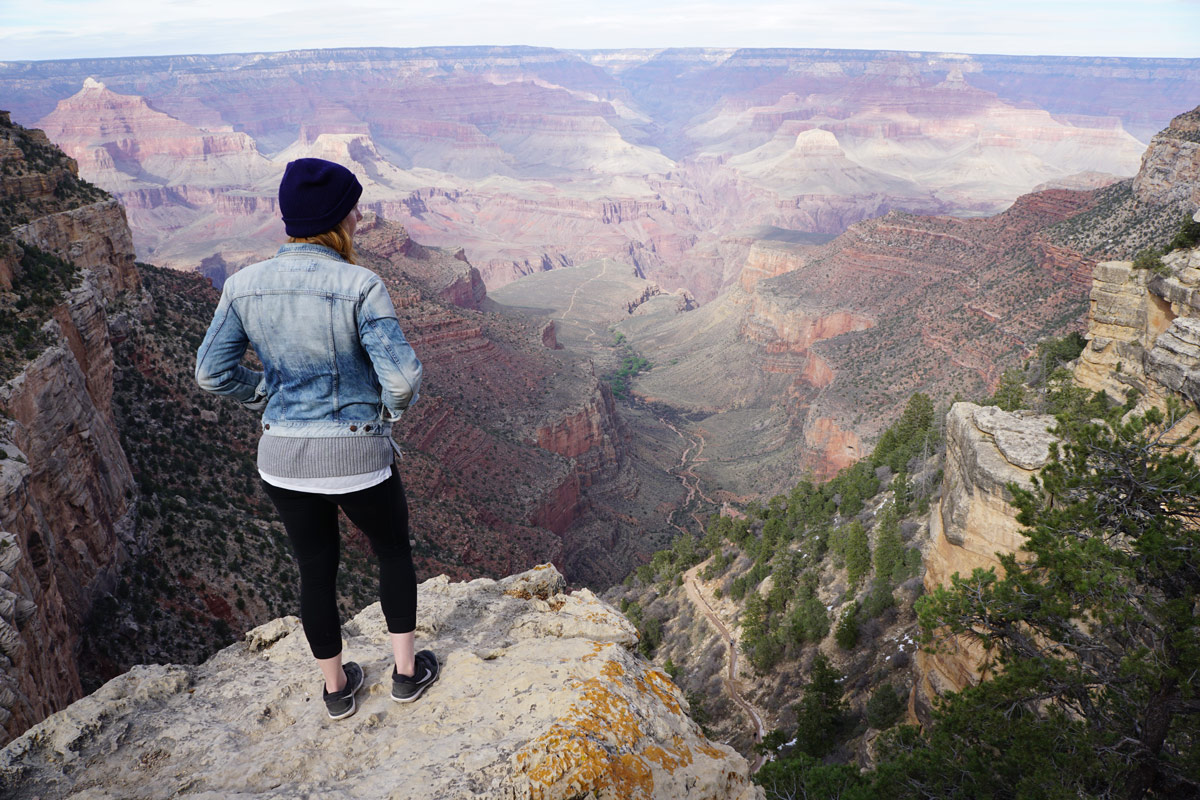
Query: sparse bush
x=1151 y=259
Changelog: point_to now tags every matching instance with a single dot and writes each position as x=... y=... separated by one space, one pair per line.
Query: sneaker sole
x=420 y=690
x=353 y=702
x=344 y=714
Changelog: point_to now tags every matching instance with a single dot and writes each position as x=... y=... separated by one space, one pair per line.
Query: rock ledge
x=540 y=698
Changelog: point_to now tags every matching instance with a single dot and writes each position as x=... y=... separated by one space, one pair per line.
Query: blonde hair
x=335 y=239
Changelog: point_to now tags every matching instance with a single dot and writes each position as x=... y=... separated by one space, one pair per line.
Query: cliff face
x=67 y=496
x=1171 y=165
x=1145 y=332
x=986 y=449
x=539 y=698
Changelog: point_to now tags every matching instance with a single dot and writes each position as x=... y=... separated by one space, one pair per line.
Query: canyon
x=794 y=241
x=801 y=363
x=531 y=159
x=111 y=457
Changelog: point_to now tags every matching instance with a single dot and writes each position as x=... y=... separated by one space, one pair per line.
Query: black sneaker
x=341 y=704
x=425 y=672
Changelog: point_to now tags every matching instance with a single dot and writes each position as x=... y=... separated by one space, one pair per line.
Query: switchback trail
x=731 y=686
x=575 y=294
x=688 y=477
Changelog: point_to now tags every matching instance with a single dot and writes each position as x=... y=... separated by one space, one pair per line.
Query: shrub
x=1151 y=259
x=846 y=634
x=884 y=708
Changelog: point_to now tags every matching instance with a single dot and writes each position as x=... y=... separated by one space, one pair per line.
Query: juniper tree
x=1091 y=632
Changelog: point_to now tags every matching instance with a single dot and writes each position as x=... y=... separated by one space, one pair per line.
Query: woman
x=337 y=372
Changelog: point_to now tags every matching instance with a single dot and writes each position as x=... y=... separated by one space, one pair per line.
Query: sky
x=70 y=29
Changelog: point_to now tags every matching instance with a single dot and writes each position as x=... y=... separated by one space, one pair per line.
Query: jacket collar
x=308 y=248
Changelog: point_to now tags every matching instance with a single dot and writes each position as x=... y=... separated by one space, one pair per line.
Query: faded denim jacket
x=335 y=362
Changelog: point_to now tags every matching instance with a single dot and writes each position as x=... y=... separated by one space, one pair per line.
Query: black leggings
x=380 y=512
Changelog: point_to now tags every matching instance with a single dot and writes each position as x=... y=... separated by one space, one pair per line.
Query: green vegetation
x=771 y=561
x=1151 y=259
x=39 y=284
x=1186 y=237
x=631 y=365
x=1090 y=632
x=885 y=707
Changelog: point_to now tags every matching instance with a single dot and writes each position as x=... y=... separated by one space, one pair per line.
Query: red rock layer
x=70 y=501
x=520 y=430
x=904 y=304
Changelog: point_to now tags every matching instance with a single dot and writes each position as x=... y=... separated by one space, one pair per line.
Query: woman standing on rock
x=337 y=372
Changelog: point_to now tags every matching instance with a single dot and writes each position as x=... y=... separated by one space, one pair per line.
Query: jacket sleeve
x=396 y=364
x=218 y=361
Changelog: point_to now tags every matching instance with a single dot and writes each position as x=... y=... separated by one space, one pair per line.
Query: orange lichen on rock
x=658 y=683
x=597 y=648
x=599 y=747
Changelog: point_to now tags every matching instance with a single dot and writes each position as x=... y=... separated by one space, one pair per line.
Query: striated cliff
x=540 y=698
x=1171 y=165
x=1145 y=332
x=986 y=449
x=68 y=500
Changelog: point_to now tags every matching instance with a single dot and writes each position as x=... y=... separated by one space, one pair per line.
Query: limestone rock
x=94 y=237
x=1171 y=165
x=540 y=697
x=986 y=449
x=1144 y=332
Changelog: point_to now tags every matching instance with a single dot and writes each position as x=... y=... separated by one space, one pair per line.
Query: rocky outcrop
x=587 y=435
x=986 y=449
x=540 y=698
x=1171 y=165
x=446 y=275
x=1144 y=332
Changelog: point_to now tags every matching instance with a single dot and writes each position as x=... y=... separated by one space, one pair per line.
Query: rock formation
x=974 y=521
x=68 y=500
x=1171 y=165
x=532 y=158
x=1143 y=332
x=819 y=346
x=540 y=697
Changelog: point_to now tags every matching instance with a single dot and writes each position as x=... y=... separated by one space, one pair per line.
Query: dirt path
x=687 y=476
x=575 y=294
x=731 y=681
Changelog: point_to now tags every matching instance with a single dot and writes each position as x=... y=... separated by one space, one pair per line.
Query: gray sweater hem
x=323 y=457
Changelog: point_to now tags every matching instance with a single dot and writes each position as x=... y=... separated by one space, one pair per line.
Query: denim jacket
x=335 y=362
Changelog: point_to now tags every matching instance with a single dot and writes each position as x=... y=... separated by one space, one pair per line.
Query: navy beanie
x=315 y=195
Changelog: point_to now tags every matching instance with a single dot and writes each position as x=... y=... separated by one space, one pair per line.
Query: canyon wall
x=68 y=500
x=974 y=521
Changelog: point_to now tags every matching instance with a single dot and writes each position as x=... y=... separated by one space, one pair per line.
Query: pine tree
x=1091 y=632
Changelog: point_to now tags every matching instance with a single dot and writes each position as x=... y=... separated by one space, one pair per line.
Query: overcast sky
x=52 y=29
